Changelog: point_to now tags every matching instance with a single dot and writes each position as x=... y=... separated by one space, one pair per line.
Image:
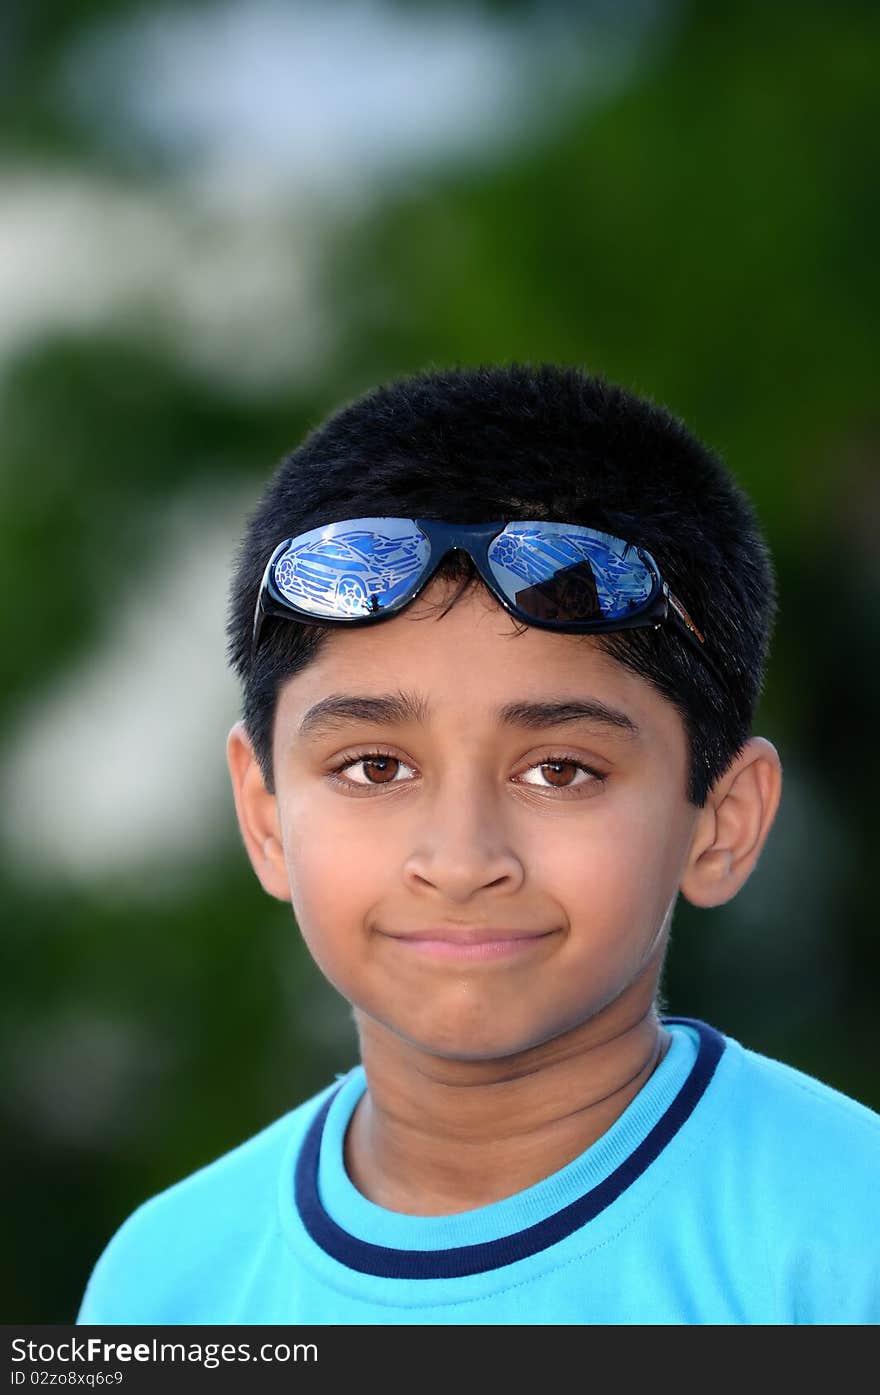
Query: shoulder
x=789 y=1128
x=781 y=1101
x=197 y=1226
x=799 y=1162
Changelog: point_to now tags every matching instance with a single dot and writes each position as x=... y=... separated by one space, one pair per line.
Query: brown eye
x=560 y=772
x=385 y=768
x=560 y=775
x=374 y=768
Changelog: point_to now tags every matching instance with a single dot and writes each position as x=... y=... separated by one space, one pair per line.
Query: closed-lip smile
x=469 y=941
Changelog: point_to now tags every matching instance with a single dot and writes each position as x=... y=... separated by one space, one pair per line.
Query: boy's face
x=486 y=884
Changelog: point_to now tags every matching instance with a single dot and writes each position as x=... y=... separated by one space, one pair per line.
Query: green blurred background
x=217 y=222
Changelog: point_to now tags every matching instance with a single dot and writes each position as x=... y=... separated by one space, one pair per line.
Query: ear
x=257 y=812
x=733 y=825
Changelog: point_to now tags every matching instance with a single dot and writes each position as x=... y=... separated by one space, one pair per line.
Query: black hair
x=523 y=442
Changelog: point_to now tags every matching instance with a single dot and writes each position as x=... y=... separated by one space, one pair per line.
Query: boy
x=501 y=634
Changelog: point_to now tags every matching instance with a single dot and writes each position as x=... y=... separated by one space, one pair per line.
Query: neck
x=433 y=1136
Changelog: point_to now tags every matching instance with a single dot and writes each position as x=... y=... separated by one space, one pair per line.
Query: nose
x=463 y=845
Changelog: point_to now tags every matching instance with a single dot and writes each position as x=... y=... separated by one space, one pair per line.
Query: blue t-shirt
x=733 y=1189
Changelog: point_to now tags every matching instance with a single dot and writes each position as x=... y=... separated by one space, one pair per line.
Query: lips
x=468 y=934
x=470 y=943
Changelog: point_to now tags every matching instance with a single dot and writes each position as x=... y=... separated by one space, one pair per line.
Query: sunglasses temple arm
x=681 y=614
x=258 y=625
x=687 y=627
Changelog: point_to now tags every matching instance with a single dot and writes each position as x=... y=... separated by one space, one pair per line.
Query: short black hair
x=524 y=441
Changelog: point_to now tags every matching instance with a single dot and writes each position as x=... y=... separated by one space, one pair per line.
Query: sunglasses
x=557 y=576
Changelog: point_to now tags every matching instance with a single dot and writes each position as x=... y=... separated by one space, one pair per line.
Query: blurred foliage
x=93 y=432
x=706 y=236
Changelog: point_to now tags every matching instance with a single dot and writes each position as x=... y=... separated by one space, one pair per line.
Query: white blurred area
x=262 y=127
x=233 y=297
x=267 y=100
x=118 y=774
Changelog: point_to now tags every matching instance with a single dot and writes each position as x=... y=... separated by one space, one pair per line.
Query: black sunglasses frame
x=661 y=607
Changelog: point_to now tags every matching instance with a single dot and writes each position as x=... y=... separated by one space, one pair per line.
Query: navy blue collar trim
x=493 y=1254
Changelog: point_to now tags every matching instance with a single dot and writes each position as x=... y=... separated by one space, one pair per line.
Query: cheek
x=611 y=874
x=336 y=873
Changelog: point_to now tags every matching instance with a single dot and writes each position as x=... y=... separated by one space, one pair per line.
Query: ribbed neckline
x=371 y=1239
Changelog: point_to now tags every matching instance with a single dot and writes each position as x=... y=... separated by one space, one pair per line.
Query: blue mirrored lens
x=353 y=568
x=554 y=571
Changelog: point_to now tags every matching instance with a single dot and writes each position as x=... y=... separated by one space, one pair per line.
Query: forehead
x=468 y=666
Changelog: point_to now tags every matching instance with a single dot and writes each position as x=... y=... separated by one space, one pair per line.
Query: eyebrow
x=559 y=712
x=389 y=709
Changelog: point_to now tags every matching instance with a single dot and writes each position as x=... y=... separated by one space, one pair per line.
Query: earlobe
x=733 y=825
x=257 y=812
